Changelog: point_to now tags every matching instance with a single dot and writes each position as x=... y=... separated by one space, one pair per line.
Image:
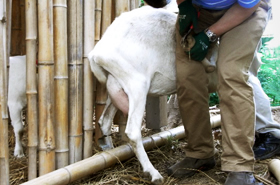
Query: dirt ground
x=130 y=171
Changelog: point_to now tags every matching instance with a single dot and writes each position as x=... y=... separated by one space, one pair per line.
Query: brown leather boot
x=189 y=166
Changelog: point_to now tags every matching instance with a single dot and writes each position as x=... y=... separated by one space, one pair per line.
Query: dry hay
x=130 y=171
x=18 y=166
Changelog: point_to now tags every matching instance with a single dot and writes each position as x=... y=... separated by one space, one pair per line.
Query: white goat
x=17 y=98
x=134 y=58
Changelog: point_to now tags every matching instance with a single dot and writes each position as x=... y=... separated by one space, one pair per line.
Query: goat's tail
x=97 y=70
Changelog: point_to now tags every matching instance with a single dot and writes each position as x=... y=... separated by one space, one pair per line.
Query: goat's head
x=157 y=3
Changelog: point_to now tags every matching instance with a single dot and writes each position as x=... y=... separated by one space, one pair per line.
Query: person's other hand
x=187 y=16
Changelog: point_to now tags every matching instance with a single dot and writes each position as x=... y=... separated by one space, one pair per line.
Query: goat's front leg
x=133 y=131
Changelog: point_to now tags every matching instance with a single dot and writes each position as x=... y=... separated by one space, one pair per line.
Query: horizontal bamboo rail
x=104 y=160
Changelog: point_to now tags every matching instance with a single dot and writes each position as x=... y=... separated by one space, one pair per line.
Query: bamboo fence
x=60 y=107
x=61 y=104
x=31 y=86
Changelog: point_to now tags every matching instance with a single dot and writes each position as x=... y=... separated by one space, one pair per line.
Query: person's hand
x=187 y=16
x=199 y=50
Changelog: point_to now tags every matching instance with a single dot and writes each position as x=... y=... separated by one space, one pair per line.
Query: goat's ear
x=157 y=3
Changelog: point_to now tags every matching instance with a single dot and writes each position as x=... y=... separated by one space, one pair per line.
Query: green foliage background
x=269 y=73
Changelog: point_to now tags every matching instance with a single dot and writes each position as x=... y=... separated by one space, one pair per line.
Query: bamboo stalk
x=31 y=86
x=215 y=121
x=75 y=47
x=98 y=15
x=23 y=29
x=104 y=160
x=16 y=29
x=46 y=88
x=101 y=92
x=134 y=4
x=61 y=82
x=106 y=15
x=4 y=159
x=122 y=6
x=99 y=102
x=9 y=28
x=120 y=119
x=89 y=37
x=4 y=153
x=274 y=167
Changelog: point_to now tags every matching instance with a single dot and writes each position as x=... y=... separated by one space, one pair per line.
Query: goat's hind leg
x=105 y=122
x=137 y=102
x=16 y=118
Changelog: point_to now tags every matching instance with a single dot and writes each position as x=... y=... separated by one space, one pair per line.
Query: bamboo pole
x=274 y=168
x=75 y=47
x=101 y=92
x=104 y=160
x=4 y=160
x=23 y=29
x=122 y=6
x=106 y=15
x=99 y=105
x=215 y=121
x=46 y=88
x=31 y=86
x=89 y=36
x=61 y=82
x=134 y=4
x=16 y=29
x=120 y=119
x=4 y=152
x=98 y=16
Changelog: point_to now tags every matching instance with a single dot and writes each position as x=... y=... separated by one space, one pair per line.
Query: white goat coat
x=136 y=55
x=17 y=98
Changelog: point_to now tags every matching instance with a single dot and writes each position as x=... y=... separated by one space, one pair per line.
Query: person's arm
x=179 y=1
x=232 y=18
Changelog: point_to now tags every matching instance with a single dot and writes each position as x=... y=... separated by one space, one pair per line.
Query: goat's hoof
x=105 y=147
x=18 y=154
x=158 y=180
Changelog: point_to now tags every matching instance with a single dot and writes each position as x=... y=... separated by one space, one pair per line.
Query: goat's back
x=141 y=40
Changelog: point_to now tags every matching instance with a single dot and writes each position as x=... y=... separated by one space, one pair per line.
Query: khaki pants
x=236 y=52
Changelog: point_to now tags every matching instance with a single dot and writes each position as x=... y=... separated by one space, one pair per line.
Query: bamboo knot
x=4 y=19
x=60 y=5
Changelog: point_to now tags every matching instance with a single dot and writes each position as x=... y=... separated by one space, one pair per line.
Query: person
x=267 y=131
x=239 y=25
